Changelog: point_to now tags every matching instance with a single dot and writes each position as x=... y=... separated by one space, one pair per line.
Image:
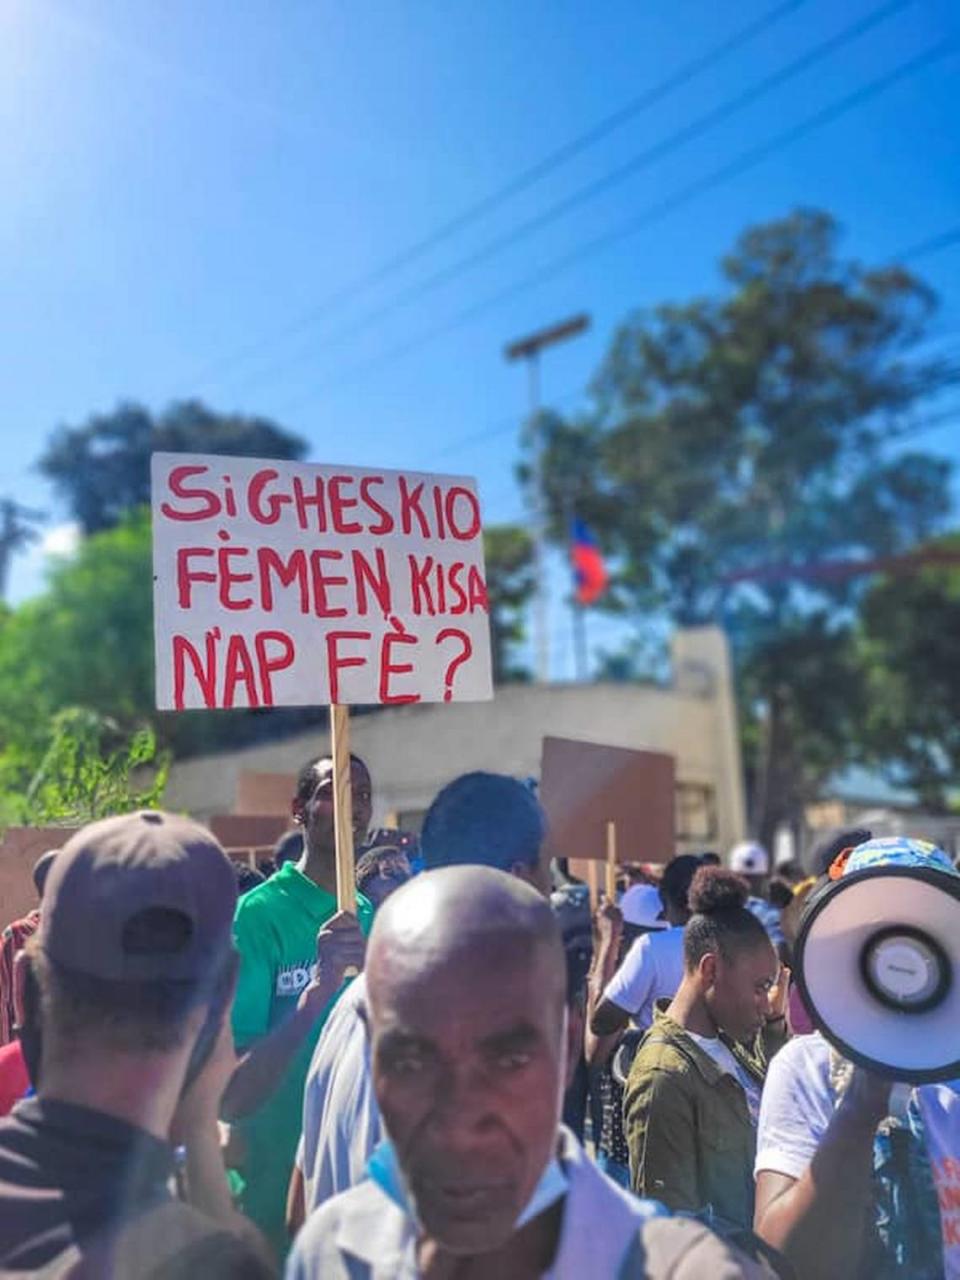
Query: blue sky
x=183 y=183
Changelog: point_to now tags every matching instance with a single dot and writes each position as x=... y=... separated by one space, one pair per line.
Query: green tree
x=86 y=641
x=752 y=429
x=909 y=629
x=508 y=552
x=102 y=468
x=92 y=770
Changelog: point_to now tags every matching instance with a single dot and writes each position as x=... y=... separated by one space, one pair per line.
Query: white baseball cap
x=749 y=859
x=642 y=906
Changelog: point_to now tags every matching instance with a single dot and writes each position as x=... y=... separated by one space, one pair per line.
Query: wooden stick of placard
x=610 y=865
x=593 y=880
x=343 y=808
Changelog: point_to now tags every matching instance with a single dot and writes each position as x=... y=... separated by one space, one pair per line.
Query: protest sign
x=289 y=584
x=608 y=804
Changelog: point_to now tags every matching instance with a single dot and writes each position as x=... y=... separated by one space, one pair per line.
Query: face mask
x=384 y=1169
x=553 y=1186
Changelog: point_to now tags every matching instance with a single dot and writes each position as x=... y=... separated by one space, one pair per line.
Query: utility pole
x=529 y=349
x=16 y=532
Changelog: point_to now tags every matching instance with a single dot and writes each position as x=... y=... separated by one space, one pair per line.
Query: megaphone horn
x=878 y=964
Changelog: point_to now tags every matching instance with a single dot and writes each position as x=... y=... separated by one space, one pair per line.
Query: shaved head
x=466 y=980
x=454 y=911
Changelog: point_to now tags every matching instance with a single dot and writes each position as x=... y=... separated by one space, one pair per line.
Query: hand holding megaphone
x=869 y=1096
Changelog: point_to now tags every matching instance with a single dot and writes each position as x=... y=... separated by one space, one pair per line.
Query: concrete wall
x=413 y=751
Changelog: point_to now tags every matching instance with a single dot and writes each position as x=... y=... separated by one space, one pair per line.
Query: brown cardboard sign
x=584 y=786
x=19 y=850
x=247 y=830
x=259 y=793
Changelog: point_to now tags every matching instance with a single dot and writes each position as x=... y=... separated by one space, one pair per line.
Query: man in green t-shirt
x=294 y=950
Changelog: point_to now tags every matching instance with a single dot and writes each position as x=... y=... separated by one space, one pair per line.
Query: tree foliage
x=92 y=770
x=102 y=468
x=910 y=627
x=511 y=581
x=753 y=428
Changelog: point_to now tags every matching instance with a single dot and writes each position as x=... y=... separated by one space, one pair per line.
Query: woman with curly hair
x=693 y=1094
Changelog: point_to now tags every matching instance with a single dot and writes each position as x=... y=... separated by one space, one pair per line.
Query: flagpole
x=577 y=611
x=541 y=601
x=579 y=642
x=529 y=349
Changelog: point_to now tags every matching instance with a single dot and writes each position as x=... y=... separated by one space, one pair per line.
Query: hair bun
x=716 y=889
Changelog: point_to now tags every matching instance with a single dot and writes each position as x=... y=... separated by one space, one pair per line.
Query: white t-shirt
x=727 y=1062
x=799 y=1103
x=652 y=970
x=341 y=1119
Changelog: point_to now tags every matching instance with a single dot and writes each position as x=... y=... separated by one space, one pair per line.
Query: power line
x=522 y=182
x=504 y=425
x=660 y=150
x=933 y=244
x=932 y=422
x=741 y=164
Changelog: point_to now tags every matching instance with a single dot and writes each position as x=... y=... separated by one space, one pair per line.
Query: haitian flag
x=589 y=570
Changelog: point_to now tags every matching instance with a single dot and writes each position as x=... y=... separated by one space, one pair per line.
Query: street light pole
x=529 y=349
x=538 y=513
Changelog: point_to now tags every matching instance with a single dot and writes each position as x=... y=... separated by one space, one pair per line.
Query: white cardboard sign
x=289 y=584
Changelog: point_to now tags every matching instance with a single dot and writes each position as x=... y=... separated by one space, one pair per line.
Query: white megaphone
x=877 y=960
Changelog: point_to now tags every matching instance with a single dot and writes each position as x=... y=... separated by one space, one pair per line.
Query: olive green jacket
x=692 y=1142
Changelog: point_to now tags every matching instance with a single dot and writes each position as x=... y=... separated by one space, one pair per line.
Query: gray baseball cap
x=143 y=897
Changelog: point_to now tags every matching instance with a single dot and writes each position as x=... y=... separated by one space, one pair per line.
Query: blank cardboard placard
x=259 y=793
x=19 y=850
x=584 y=786
x=249 y=830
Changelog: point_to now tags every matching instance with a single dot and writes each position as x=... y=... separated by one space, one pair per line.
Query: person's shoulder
x=666 y=941
x=809 y=1055
x=344 y=1029
x=357 y=1219
x=180 y=1242
x=684 y=1249
x=365 y=1198
x=259 y=904
x=661 y=1057
x=638 y=954
x=217 y=1255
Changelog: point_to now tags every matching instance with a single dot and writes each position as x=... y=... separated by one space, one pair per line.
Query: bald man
x=470 y=1045
x=479 y=818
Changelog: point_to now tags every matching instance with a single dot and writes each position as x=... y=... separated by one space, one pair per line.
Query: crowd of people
x=213 y=1072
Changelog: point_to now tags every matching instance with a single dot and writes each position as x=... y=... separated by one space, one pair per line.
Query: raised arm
x=817 y=1219
x=608 y=933
x=265 y=1058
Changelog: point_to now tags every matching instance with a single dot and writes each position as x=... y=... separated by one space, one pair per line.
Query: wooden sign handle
x=343 y=808
x=593 y=880
x=611 y=862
